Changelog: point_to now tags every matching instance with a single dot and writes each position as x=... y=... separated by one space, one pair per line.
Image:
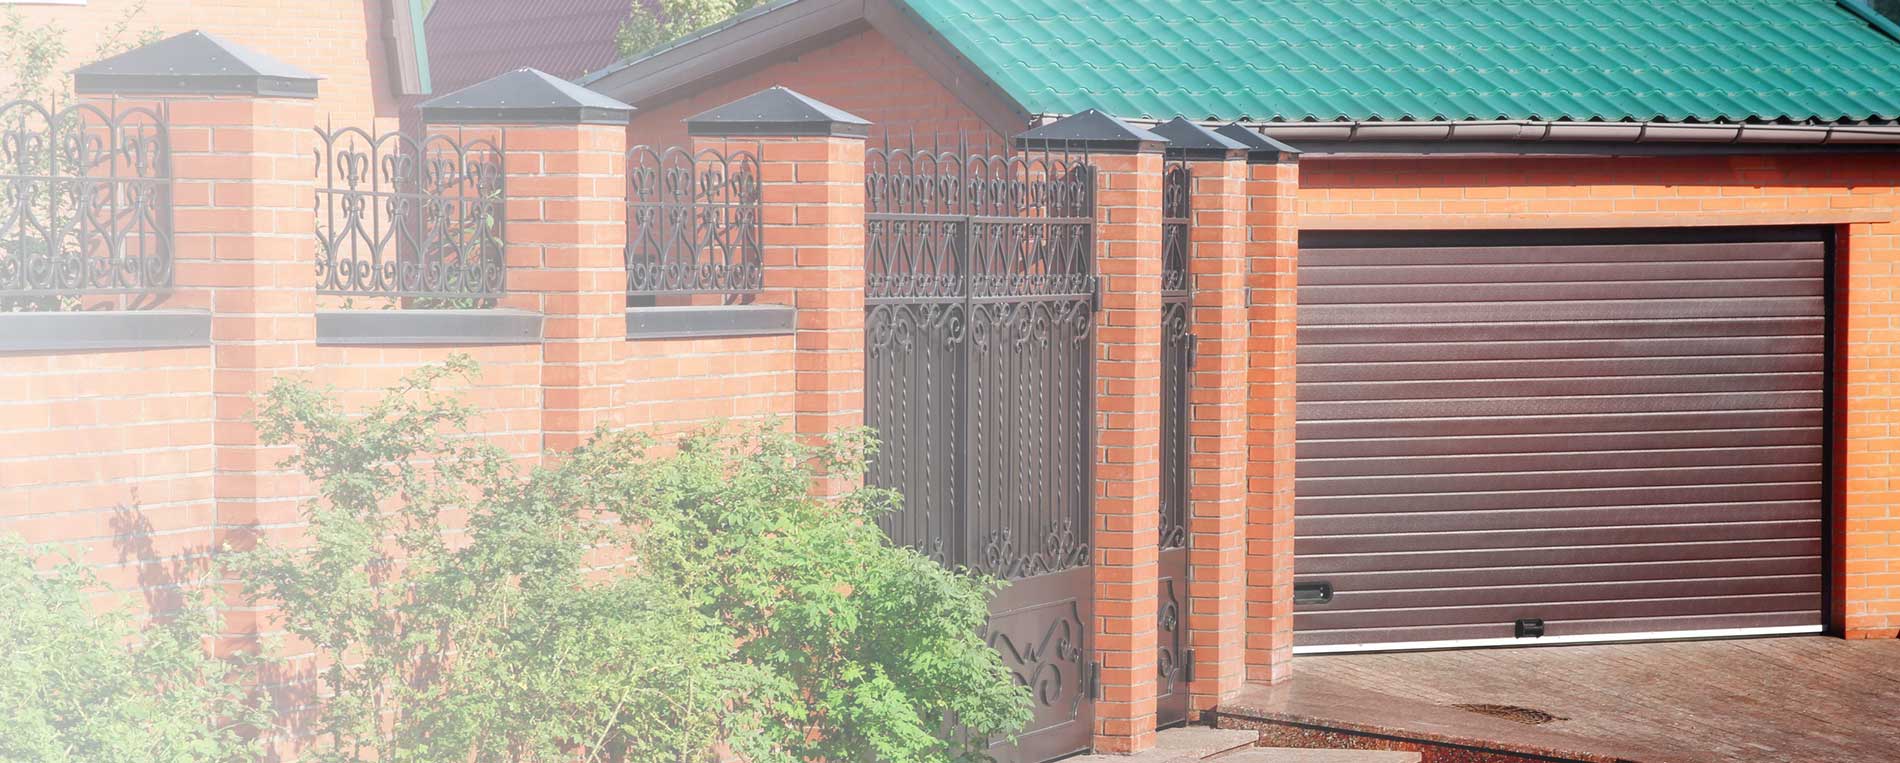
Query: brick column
x=1217 y=400
x=565 y=158
x=244 y=248
x=1128 y=416
x=1273 y=257
x=811 y=165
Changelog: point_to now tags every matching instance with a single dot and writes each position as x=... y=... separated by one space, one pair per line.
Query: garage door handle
x=1313 y=593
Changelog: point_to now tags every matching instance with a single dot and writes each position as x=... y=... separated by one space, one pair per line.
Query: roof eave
x=1530 y=134
x=1535 y=131
x=778 y=29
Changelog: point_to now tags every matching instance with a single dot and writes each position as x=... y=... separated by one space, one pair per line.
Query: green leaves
x=876 y=645
x=78 y=686
x=613 y=605
x=650 y=25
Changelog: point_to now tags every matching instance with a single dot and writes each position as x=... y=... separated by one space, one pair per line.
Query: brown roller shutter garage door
x=1618 y=434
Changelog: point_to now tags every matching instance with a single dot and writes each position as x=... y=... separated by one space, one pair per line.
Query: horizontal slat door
x=1619 y=437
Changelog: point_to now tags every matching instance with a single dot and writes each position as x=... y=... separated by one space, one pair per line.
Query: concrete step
x=1299 y=755
x=1188 y=744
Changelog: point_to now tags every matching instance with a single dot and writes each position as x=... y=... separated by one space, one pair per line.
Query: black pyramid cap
x=1260 y=148
x=1187 y=140
x=524 y=96
x=1091 y=131
x=195 y=63
x=778 y=111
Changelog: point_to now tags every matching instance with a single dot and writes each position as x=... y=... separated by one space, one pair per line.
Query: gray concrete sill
x=709 y=321
x=103 y=330
x=410 y=328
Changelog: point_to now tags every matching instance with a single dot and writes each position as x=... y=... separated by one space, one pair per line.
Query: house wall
x=864 y=74
x=341 y=41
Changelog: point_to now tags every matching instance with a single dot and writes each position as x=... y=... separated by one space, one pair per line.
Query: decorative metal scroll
x=980 y=283
x=1176 y=181
x=409 y=216
x=85 y=204
x=1170 y=651
x=1177 y=353
x=693 y=222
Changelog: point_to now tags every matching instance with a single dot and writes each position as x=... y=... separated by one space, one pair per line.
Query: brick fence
x=133 y=440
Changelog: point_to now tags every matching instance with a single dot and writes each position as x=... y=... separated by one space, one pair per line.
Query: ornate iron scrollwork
x=409 y=216
x=1062 y=547
x=85 y=204
x=694 y=222
x=1053 y=665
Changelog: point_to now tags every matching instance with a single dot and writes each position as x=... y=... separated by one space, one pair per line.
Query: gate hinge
x=1095 y=299
x=1188 y=672
x=1193 y=349
x=1095 y=680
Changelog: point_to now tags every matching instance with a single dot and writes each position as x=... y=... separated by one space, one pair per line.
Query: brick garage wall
x=339 y=40
x=1858 y=194
x=109 y=455
x=864 y=74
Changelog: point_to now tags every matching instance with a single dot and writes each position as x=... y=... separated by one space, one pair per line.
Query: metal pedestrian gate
x=1174 y=661
x=979 y=379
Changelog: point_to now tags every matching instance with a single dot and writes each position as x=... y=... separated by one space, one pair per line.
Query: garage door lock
x=1530 y=627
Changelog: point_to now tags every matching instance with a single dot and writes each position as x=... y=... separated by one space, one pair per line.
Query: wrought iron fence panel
x=1177 y=350
x=85 y=203
x=1025 y=222
x=1173 y=657
x=410 y=216
x=694 y=222
x=980 y=283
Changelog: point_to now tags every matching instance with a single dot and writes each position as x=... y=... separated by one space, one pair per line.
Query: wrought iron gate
x=1173 y=659
x=980 y=285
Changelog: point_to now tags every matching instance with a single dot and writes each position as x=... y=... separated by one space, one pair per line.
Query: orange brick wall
x=678 y=385
x=111 y=451
x=863 y=74
x=338 y=40
x=1859 y=194
x=506 y=393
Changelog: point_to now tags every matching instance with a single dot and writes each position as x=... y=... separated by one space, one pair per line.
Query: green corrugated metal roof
x=1664 y=60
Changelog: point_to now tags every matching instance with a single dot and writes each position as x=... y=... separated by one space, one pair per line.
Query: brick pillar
x=1128 y=416
x=244 y=249
x=811 y=165
x=1217 y=404
x=565 y=159
x=1273 y=257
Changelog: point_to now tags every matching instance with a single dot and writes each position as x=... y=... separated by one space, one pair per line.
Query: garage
x=1560 y=435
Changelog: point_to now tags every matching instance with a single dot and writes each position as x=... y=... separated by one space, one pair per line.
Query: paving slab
x=1766 y=700
x=1187 y=744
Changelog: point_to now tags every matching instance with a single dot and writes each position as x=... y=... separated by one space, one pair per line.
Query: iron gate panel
x=979 y=364
x=1173 y=661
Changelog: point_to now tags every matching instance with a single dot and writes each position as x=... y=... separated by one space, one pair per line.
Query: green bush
x=612 y=605
x=85 y=686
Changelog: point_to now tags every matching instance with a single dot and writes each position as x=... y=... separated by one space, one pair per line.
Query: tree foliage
x=653 y=23
x=30 y=54
x=612 y=605
x=82 y=685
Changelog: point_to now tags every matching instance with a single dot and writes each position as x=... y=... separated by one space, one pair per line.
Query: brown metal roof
x=472 y=40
